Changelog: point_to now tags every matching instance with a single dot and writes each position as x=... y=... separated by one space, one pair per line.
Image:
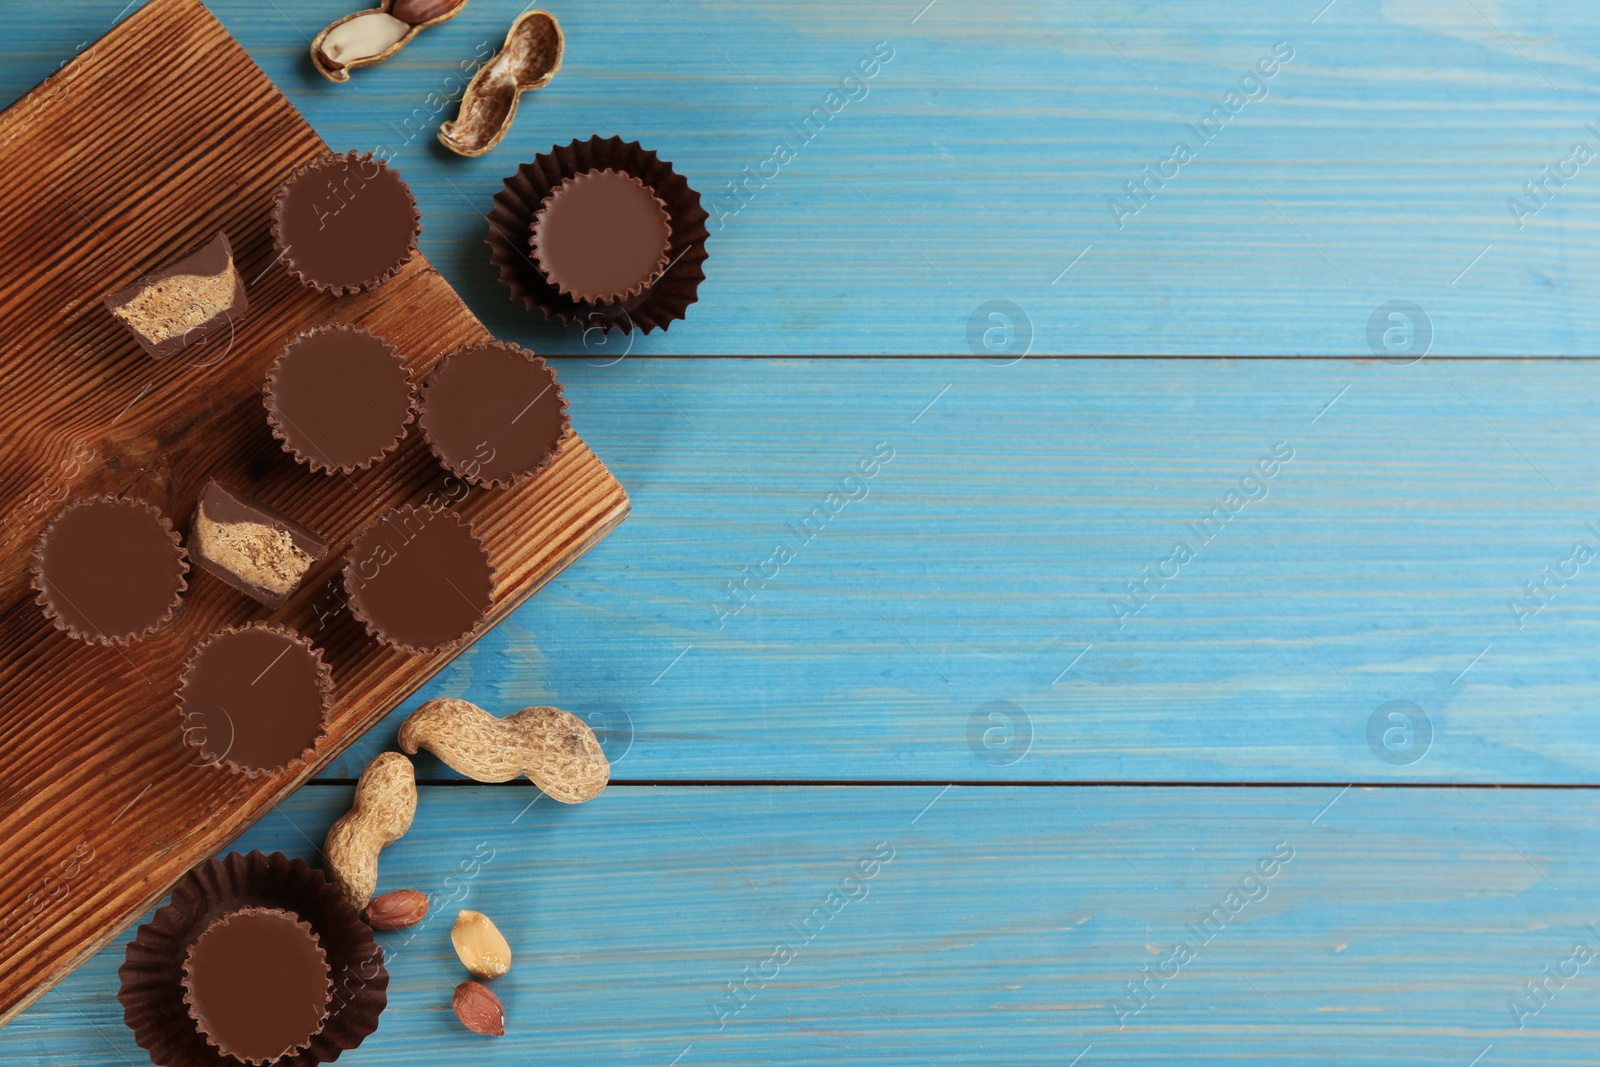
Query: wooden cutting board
x=141 y=148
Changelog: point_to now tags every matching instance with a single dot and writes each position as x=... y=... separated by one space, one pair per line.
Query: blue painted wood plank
x=1396 y=926
x=989 y=560
x=984 y=159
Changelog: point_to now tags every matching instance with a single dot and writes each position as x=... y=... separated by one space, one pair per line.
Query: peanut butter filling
x=261 y=555
x=173 y=306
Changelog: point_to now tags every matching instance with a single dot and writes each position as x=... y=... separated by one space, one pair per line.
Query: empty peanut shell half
x=530 y=58
x=369 y=37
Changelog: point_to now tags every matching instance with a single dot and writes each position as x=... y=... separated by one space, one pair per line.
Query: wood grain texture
x=114 y=166
x=1001 y=931
x=1380 y=563
x=980 y=162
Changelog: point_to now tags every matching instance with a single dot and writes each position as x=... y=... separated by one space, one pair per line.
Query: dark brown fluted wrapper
x=152 y=970
x=511 y=226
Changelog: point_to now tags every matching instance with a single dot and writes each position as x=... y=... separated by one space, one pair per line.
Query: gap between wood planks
x=914 y=783
x=1130 y=357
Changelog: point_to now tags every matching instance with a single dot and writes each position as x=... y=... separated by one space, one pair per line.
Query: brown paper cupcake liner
x=511 y=228
x=293 y=766
x=194 y=1008
x=152 y=993
x=286 y=255
x=477 y=478
x=353 y=595
x=42 y=595
x=276 y=419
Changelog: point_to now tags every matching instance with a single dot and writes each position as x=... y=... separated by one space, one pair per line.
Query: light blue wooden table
x=1102 y=639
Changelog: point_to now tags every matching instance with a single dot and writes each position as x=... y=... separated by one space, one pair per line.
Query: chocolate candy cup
x=511 y=229
x=601 y=237
x=109 y=570
x=419 y=580
x=339 y=398
x=345 y=224
x=152 y=971
x=196 y=302
x=256 y=983
x=494 y=414
x=260 y=552
x=255 y=698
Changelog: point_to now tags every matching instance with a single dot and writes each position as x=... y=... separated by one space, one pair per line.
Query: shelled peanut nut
x=527 y=61
x=364 y=36
x=397 y=910
x=480 y=944
x=425 y=12
x=479 y=1009
x=372 y=36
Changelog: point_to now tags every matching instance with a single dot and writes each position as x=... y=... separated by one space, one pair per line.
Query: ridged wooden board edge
x=156 y=136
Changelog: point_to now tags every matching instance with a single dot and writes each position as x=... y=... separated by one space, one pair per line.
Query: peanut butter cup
x=339 y=398
x=419 y=580
x=494 y=413
x=257 y=985
x=260 y=552
x=255 y=698
x=152 y=975
x=109 y=570
x=196 y=302
x=660 y=300
x=345 y=224
x=601 y=237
